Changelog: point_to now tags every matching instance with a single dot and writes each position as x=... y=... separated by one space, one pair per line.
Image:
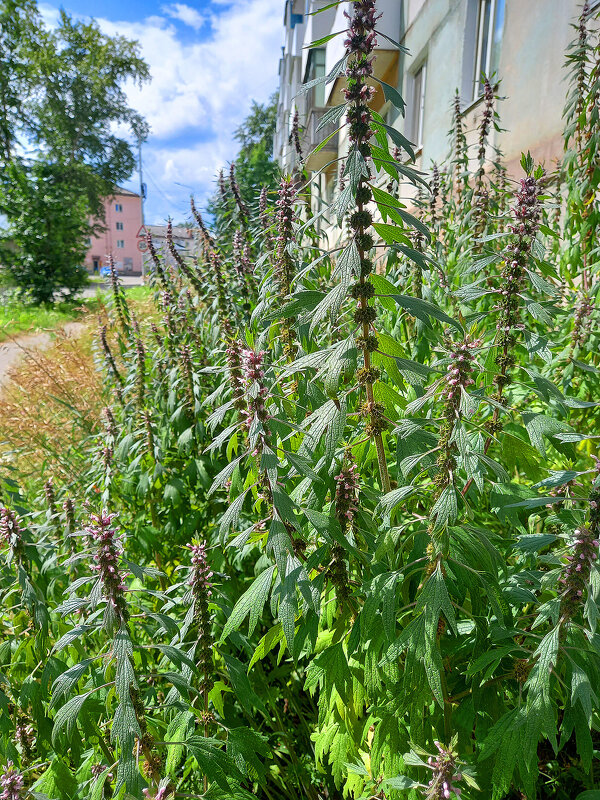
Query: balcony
x=314 y=137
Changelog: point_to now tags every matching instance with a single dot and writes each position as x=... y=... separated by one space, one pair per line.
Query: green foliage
x=43 y=248
x=61 y=94
x=361 y=509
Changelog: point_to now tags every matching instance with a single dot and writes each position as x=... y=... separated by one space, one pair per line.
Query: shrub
x=357 y=496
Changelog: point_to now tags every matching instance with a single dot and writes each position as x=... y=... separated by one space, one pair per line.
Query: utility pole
x=143 y=198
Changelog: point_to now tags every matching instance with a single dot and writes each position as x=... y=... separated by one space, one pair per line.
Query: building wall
x=530 y=69
x=127 y=258
x=530 y=62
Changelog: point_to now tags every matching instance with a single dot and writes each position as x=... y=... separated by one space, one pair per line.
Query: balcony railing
x=313 y=138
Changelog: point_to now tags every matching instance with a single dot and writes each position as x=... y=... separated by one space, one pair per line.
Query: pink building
x=122 y=223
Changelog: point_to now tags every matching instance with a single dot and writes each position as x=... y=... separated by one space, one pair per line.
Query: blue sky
x=208 y=59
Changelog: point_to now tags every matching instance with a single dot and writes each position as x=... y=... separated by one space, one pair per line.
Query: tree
x=81 y=101
x=62 y=97
x=45 y=245
x=21 y=35
x=255 y=166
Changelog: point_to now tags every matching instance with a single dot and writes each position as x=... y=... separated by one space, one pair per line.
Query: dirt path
x=12 y=351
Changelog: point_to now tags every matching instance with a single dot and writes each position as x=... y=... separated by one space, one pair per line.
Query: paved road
x=12 y=352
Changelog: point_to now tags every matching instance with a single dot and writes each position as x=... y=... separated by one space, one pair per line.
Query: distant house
x=183 y=239
x=122 y=224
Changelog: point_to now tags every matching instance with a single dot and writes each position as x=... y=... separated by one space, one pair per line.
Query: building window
x=121 y=243
x=119 y=226
x=315 y=68
x=417 y=105
x=490 y=23
x=118 y=207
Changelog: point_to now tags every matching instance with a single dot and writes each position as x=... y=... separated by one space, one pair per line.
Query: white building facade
x=520 y=44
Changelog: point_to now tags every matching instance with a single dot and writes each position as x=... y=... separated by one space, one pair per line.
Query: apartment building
x=120 y=236
x=521 y=43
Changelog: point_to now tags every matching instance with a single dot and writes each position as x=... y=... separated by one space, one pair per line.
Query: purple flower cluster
x=458 y=373
x=188 y=378
x=201 y=572
x=294 y=137
x=161 y=794
x=284 y=263
x=346 y=498
x=359 y=44
x=527 y=215
x=361 y=37
x=98 y=769
x=237 y=246
x=222 y=186
x=253 y=374
x=235 y=189
x=236 y=380
x=109 y=549
x=576 y=575
x=581 y=322
x=198 y=217
x=242 y=261
x=485 y=123
x=12 y=783
x=140 y=360
x=10 y=531
x=441 y=786
x=285 y=234
x=346 y=492
x=25 y=738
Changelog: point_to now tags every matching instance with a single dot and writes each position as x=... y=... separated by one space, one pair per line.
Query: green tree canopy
x=62 y=99
x=81 y=77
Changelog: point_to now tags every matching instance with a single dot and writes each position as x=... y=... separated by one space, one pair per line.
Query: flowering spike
x=50 y=496
x=445 y=775
x=140 y=353
x=201 y=585
x=109 y=550
x=110 y=361
x=198 y=217
x=294 y=137
x=121 y=307
x=235 y=189
x=158 y=265
x=575 y=577
x=527 y=214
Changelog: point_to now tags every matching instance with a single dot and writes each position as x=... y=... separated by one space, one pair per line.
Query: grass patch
x=18 y=318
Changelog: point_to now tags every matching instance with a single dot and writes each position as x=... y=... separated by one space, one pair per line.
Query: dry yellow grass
x=49 y=407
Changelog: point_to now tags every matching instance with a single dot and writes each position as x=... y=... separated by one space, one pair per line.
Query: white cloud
x=186 y=14
x=201 y=91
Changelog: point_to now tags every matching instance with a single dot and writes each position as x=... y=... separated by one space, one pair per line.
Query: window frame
x=481 y=34
x=118 y=206
x=418 y=81
x=121 y=244
x=119 y=226
x=309 y=74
